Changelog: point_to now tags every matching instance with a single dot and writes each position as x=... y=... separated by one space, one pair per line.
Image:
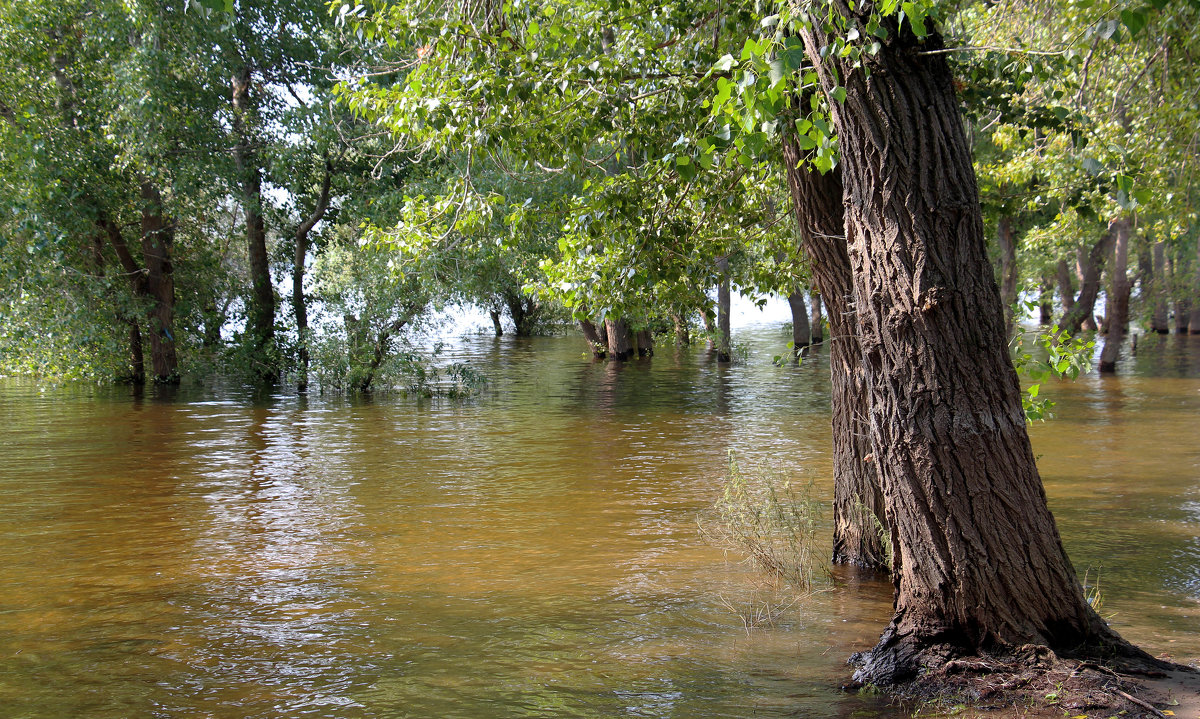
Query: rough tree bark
x=620 y=339
x=801 y=332
x=724 y=340
x=1160 y=320
x=1007 y=240
x=260 y=317
x=857 y=497
x=1118 y=318
x=979 y=564
x=1088 y=266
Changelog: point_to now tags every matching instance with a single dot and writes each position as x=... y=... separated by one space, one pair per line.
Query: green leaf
x=1133 y=20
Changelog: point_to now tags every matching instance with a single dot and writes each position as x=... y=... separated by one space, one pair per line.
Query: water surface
x=208 y=552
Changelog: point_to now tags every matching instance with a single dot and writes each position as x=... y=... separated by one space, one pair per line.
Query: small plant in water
x=772 y=521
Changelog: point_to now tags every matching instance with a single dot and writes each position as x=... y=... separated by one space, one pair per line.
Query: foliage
x=1051 y=354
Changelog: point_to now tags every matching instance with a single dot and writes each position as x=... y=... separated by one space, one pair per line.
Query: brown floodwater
x=534 y=551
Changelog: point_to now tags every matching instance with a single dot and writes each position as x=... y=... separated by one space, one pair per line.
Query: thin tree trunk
x=1089 y=265
x=1193 y=302
x=157 y=240
x=978 y=559
x=801 y=332
x=1046 y=302
x=724 y=340
x=1119 y=292
x=499 y=327
x=136 y=359
x=1066 y=289
x=816 y=322
x=620 y=340
x=1160 y=321
x=683 y=337
x=299 y=304
x=857 y=497
x=1008 y=273
x=260 y=316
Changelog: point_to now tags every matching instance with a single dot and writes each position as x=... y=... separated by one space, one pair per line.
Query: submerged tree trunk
x=683 y=337
x=158 y=238
x=1066 y=289
x=978 y=560
x=1119 y=296
x=801 y=333
x=1194 y=301
x=260 y=314
x=620 y=339
x=1089 y=265
x=1008 y=273
x=597 y=344
x=724 y=341
x=299 y=304
x=524 y=311
x=816 y=321
x=645 y=343
x=858 y=513
x=1160 y=320
x=498 y=327
x=1046 y=302
x=137 y=361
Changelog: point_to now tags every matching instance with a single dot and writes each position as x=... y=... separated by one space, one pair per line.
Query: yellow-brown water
x=532 y=552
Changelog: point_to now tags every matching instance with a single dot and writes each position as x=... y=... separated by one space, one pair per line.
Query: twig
x=1143 y=704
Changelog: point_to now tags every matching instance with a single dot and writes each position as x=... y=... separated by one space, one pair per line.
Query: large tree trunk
x=260 y=315
x=1118 y=293
x=978 y=559
x=1089 y=265
x=1160 y=320
x=801 y=332
x=620 y=339
x=724 y=340
x=816 y=322
x=299 y=304
x=157 y=240
x=1008 y=273
x=857 y=497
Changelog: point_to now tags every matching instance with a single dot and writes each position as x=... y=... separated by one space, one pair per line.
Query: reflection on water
x=532 y=552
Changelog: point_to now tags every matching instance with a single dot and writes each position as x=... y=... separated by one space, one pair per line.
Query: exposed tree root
x=1034 y=676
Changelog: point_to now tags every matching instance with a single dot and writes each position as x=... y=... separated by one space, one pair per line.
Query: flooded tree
x=979 y=565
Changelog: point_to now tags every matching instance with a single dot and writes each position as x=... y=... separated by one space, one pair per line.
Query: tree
x=978 y=561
